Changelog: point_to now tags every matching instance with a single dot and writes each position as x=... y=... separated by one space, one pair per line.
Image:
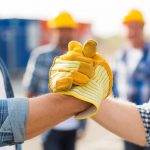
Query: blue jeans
x=131 y=146
x=18 y=147
x=60 y=140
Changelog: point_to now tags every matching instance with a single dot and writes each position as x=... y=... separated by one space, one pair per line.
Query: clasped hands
x=82 y=73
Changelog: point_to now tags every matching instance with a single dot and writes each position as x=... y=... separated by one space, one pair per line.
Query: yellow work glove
x=96 y=88
x=64 y=73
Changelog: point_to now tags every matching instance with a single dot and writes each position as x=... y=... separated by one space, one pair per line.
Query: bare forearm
x=48 y=110
x=123 y=119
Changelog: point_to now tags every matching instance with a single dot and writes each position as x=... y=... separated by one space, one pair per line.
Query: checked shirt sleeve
x=145 y=115
x=13 y=117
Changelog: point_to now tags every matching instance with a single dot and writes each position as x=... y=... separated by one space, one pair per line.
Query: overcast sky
x=105 y=15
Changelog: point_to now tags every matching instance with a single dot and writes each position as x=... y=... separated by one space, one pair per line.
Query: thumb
x=89 y=49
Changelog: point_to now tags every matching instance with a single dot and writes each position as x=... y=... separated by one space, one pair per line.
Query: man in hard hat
x=63 y=27
x=131 y=73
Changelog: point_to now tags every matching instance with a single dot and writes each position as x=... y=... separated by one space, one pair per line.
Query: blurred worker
x=131 y=69
x=64 y=135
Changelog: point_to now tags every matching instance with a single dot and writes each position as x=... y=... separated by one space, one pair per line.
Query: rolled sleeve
x=144 y=111
x=13 y=118
x=18 y=114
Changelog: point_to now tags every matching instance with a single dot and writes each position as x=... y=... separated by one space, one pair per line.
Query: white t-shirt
x=3 y=95
x=133 y=59
x=67 y=125
x=134 y=56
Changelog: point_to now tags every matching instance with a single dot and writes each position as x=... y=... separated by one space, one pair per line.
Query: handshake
x=82 y=73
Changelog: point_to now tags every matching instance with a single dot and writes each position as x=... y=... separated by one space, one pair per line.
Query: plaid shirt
x=137 y=83
x=145 y=114
x=36 y=76
x=13 y=114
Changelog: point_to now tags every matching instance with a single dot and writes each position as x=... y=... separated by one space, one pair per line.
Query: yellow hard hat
x=134 y=15
x=63 y=20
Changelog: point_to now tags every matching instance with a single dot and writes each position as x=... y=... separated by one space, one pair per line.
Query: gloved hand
x=94 y=88
x=76 y=71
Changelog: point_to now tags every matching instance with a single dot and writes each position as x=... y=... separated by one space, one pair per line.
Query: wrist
x=75 y=105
